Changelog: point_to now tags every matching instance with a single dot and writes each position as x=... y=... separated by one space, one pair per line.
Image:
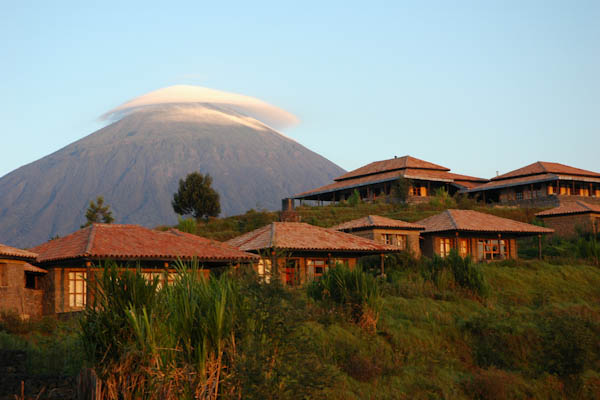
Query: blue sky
x=476 y=86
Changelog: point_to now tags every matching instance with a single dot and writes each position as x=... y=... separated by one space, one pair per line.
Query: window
x=388 y=238
x=341 y=261
x=401 y=241
x=77 y=289
x=519 y=195
x=264 y=269
x=3 y=275
x=550 y=189
x=30 y=281
x=292 y=272
x=463 y=247
x=490 y=249
x=315 y=268
x=150 y=276
x=565 y=190
x=423 y=191
x=444 y=247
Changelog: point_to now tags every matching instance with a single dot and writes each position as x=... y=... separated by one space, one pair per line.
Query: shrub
x=464 y=272
x=188 y=225
x=354 y=198
x=352 y=288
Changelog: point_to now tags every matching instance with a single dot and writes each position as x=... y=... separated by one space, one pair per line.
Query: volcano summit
x=155 y=140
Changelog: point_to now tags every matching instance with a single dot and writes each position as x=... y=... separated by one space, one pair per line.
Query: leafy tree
x=196 y=196
x=98 y=212
x=354 y=198
x=400 y=189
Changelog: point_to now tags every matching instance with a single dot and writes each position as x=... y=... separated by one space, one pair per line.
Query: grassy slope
x=423 y=349
x=227 y=228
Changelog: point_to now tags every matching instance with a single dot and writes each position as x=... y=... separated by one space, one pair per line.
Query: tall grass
x=352 y=288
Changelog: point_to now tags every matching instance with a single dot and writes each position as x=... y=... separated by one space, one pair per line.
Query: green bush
x=353 y=288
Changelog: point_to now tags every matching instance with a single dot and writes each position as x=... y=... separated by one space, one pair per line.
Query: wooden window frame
x=445 y=246
x=265 y=269
x=77 y=296
x=402 y=241
x=492 y=249
x=311 y=267
x=3 y=275
x=463 y=247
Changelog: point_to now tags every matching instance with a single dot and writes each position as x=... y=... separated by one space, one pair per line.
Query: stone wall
x=14 y=297
x=568 y=225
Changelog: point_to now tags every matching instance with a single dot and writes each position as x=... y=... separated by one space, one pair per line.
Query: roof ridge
x=452 y=218
x=91 y=237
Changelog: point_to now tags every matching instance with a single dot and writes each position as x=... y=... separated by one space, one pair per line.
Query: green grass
x=533 y=335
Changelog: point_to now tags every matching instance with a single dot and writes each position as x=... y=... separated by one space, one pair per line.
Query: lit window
x=401 y=241
x=463 y=247
x=264 y=269
x=491 y=249
x=77 y=289
x=444 y=247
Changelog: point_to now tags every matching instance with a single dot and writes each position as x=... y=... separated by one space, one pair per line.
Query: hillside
x=533 y=335
x=330 y=215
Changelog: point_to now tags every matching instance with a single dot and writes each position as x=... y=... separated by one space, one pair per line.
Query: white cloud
x=266 y=113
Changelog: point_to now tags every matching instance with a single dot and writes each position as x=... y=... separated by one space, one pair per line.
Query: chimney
x=496 y=173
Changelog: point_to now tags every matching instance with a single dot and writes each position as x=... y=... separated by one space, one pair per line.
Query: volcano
x=152 y=142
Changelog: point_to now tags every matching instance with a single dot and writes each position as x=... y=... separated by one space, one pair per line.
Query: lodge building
x=300 y=252
x=72 y=261
x=376 y=179
x=483 y=237
x=541 y=184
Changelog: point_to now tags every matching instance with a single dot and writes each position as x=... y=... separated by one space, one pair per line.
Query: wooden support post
x=382 y=264
x=540 y=246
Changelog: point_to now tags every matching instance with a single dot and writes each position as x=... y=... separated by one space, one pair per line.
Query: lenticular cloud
x=266 y=113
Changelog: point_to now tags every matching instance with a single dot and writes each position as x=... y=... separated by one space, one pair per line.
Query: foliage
x=98 y=212
x=533 y=336
x=582 y=247
x=354 y=199
x=195 y=196
x=188 y=225
x=400 y=189
x=352 y=288
x=442 y=199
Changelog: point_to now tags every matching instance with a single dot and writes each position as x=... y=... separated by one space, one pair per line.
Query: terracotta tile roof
x=393 y=164
x=302 y=236
x=542 y=167
x=571 y=207
x=13 y=252
x=474 y=221
x=523 y=180
x=431 y=175
x=376 y=221
x=33 y=268
x=132 y=242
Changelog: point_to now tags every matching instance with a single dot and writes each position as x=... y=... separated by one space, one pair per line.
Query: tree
x=196 y=196
x=98 y=212
x=400 y=189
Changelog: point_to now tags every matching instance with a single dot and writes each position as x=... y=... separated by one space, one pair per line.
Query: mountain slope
x=136 y=163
